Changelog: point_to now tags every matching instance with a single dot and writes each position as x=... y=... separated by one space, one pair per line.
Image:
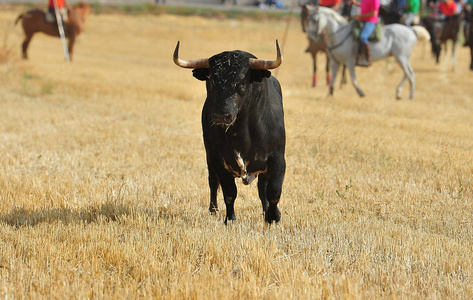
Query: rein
x=343 y=40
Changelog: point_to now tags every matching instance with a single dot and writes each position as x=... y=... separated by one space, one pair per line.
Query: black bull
x=243 y=126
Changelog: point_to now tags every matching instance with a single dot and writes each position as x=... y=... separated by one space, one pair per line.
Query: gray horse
x=397 y=40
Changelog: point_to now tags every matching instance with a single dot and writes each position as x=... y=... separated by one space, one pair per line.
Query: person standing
x=369 y=10
x=411 y=12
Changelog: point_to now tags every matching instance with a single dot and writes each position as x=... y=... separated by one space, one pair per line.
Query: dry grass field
x=103 y=180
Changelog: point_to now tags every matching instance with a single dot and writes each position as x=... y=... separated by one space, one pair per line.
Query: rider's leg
x=365 y=56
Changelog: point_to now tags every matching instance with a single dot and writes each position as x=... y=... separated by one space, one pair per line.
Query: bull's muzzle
x=223 y=119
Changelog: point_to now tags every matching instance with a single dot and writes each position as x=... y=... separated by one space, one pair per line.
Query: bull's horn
x=199 y=63
x=261 y=64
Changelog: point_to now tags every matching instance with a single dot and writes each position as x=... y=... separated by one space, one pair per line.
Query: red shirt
x=60 y=3
x=448 y=8
x=328 y=3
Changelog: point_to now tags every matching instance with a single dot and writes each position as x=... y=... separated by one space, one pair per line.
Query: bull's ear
x=201 y=74
x=259 y=75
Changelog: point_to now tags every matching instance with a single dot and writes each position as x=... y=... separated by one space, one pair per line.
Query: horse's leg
x=71 y=45
x=335 y=67
x=454 y=55
x=25 y=44
x=351 y=69
x=471 y=54
x=408 y=74
x=327 y=67
x=314 y=68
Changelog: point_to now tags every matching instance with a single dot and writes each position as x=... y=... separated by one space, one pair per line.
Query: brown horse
x=34 y=21
x=440 y=32
x=315 y=46
x=470 y=38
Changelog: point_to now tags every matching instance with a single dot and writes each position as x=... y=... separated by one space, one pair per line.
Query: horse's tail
x=422 y=33
x=18 y=19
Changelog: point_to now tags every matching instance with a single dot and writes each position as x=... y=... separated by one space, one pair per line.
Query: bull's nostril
x=228 y=118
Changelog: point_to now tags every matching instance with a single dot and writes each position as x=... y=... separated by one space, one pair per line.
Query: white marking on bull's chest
x=241 y=172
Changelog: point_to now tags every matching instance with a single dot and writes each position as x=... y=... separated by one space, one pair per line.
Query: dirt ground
x=103 y=181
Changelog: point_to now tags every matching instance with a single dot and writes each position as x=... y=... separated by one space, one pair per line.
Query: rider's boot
x=364 y=58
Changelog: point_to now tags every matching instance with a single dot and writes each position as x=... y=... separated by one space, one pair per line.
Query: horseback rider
x=447 y=8
x=333 y=4
x=51 y=14
x=369 y=16
x=468 y=14
x=411 y=13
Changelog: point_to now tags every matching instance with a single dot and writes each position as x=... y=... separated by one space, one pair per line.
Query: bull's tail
x=422 y=33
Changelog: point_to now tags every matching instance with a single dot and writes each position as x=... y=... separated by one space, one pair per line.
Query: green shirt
x=412 y=6
x=470 y=3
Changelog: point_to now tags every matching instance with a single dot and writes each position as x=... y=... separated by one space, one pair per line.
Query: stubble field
x=103 y=180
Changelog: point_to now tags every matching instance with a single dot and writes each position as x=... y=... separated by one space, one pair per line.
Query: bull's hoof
x=272 y=214
x=213 y=209
x=229 y=218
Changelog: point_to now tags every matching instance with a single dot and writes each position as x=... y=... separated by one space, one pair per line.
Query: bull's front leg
x=213 y=184
x=275 y=178
x=227 y=182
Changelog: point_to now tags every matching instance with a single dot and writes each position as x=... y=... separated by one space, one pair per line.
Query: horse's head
x=317 y=22
x=305 y=14
x=82 y=9
x=319 y=18
x=77 y=15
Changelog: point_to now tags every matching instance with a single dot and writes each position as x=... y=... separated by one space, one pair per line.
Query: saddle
x=375 y=35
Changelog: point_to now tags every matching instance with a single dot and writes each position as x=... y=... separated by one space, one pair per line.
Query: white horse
x=397 y=40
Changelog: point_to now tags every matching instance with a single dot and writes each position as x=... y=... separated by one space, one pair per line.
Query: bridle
x=344 y=39
x=332 y=35
x=331 y=48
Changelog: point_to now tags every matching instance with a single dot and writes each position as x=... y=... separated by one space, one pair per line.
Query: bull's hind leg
x=262 y=185
x=275 y=178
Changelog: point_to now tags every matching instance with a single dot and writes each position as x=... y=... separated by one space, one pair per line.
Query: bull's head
x=229 y=77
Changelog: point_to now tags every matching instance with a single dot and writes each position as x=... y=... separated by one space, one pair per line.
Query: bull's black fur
x=243 y=118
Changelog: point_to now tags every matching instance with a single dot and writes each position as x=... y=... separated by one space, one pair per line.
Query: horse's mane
x=332 y=13
x=329 y=12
